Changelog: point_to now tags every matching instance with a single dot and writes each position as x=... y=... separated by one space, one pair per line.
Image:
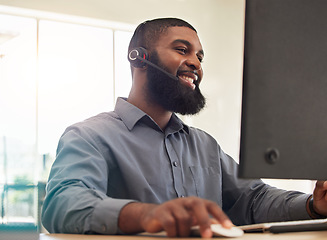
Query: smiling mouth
x=189 y=79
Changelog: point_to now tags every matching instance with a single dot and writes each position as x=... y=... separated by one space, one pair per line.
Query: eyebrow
x=187 y=43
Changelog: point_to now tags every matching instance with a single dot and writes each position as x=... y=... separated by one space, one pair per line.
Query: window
x=18 y=116
x=75 y=77
x=17 y=97
x=122 y=69
x=52 y=74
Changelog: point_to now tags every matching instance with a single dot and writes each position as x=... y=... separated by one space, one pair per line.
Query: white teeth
x=189 y=79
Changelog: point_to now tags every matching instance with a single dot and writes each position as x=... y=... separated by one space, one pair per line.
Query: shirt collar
x=130 y=115
x=177 y=124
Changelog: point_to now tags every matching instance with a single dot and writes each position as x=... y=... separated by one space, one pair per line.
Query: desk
x=319 y=235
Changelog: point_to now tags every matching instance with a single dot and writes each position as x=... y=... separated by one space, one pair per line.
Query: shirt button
x=175 y=164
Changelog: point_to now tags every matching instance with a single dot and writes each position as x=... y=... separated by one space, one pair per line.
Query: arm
x=175 y=217
x=76 y=200
x=249 y=201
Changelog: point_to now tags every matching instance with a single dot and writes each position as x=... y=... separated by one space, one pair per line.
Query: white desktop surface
x=317 y=235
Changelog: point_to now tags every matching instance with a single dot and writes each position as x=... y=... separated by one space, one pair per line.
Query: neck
x=156 y=112
x=138 y=97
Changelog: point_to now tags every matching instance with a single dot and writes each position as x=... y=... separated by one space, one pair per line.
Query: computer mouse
x=219 y=231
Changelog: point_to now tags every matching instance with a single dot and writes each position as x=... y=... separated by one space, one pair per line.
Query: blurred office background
x=62 y=61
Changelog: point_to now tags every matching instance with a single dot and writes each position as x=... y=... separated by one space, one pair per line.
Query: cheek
x=176 y=60
x=171 y=62
x=175 y=64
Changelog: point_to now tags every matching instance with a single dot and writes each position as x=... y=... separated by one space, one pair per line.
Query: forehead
x=179 y=33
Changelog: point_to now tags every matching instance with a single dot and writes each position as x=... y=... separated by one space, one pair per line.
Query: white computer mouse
x=219 y=231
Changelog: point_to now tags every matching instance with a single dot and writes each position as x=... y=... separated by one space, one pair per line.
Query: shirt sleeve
x=76 y=200
x=248 y=201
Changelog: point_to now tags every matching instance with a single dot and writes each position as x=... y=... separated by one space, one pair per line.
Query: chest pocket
x=208 y=182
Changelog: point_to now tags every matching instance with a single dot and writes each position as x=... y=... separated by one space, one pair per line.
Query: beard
x=172 y=95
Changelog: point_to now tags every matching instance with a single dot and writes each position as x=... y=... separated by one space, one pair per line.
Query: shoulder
x=202 y=135
x=94 y=128
x=98 y=122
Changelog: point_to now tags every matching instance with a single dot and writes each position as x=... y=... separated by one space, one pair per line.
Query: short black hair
x=149 y=31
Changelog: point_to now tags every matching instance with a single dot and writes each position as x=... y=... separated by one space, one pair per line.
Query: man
x=140 y=168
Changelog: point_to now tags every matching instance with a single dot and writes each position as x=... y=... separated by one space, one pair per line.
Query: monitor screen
x=284 y=102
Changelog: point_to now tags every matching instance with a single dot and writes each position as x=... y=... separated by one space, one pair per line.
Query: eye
x=181 y=50
x=200 y=59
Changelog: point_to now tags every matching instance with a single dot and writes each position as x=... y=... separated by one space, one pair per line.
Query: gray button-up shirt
x=117 y=157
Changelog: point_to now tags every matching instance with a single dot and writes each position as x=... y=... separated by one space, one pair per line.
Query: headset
x=139 y=57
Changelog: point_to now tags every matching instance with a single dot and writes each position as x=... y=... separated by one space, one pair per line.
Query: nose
x=194 y=63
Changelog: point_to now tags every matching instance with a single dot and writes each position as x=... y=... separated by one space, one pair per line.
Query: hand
x=320 y=198
x=176 y=217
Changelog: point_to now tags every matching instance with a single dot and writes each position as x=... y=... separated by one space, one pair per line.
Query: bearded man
x=140 y=168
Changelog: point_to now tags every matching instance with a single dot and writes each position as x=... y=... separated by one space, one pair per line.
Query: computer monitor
x=284 y=108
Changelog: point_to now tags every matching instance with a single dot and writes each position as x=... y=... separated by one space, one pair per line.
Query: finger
x=219 y=215
x=213 y=221
x=153 y=226
x=324 y=184
x=155 y=219
x=170 y=228
x=166 y=221
x=200 y=213
x=321 y=184
x=184 y=220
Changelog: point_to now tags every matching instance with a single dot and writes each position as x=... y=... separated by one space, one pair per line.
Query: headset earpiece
x=135 y=55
